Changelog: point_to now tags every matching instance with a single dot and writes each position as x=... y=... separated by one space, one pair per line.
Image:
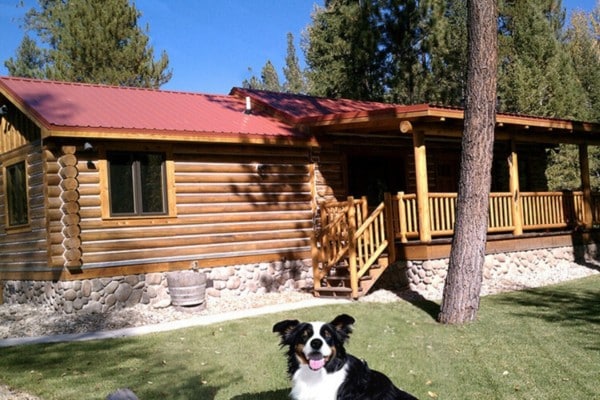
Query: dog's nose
x=316 y=343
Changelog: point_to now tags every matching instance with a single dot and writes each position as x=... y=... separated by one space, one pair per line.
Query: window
x=16 y=194
x=137 y=183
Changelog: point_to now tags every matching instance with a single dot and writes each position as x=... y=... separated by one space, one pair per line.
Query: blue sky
x=211 y=44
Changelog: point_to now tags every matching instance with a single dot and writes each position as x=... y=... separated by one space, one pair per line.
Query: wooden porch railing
x=337 y=218
x=537 y=211
x=347 y=231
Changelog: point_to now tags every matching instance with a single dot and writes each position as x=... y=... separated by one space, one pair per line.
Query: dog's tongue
x=316 y=362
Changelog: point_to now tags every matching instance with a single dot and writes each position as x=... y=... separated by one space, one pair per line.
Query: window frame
x=10 y=225
x=168 y=179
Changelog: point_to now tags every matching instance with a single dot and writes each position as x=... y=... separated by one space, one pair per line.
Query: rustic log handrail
x=538 y=211
x=347 y=231
x=332 y=242
x=371 y=241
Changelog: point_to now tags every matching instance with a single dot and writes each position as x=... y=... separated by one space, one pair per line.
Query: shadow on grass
x=570 y=307
x=395 y=280
x=282 y=394
x=94 y=365
x=430 y=307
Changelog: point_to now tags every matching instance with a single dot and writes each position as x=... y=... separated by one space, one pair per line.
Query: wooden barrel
x=187 y=288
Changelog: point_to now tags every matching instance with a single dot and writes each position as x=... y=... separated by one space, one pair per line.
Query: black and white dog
x=321 y=369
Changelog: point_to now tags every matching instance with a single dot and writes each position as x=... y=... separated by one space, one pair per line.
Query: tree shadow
x=565 y=306
x=395 y=280
x=281 y=394
x=93 y=362
x=584 y=253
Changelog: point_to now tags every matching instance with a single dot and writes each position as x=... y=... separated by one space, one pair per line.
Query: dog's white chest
x=316 y=385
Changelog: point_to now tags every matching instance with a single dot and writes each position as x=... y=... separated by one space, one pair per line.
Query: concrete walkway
x=200 y=320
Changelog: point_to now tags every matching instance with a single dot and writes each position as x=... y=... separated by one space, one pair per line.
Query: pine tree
x=583 y=44
x=96 y=42
x=536 y=73
x=402 y=51
x=342 y=51
x=270 y=78
x=403 y=26
x=294 y=78
x=29 y=61
x=584 y=47
x=462 y=288
x=449 y=66
x=253 y=82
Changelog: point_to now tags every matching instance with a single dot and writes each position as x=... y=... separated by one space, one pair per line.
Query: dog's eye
x=305 y=335
x=327 y=335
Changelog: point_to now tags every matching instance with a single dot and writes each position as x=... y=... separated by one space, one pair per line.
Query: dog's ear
x=342 y=321
x=285 y=327
x=343 y=324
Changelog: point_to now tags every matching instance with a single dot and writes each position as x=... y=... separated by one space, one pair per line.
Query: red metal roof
x=301 y=108
x=64 y=105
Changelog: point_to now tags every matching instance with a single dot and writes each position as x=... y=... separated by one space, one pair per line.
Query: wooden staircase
x=352 y=249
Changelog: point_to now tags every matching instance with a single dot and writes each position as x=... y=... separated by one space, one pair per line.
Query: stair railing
x=369 y=242
x=331 y=244
x=348 y=234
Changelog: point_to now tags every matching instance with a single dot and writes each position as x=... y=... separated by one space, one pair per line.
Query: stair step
x=335 y=291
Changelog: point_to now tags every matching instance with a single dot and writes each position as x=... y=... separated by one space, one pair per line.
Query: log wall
x=17 y=131
x=25 y=247
x=234 y=203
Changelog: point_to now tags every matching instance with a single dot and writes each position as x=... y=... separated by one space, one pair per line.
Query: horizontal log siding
x=232 y=202
x=25 y=249
x=16 y=129
x=330 y=174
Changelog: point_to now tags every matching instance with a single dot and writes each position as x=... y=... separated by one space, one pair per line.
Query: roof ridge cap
x=109 y=86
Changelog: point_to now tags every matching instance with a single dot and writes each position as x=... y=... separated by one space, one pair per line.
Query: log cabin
x=100 y=183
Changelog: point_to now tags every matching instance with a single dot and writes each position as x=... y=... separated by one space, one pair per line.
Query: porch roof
x=64 y=108
x=343 y=115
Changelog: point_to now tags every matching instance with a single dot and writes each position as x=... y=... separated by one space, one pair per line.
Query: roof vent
x=248 y=106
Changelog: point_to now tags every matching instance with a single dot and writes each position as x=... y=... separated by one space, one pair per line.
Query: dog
x=321 y=369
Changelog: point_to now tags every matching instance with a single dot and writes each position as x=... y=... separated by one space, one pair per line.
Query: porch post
x=389 y=226
x=352 y=247
x=513 y=173
x=584 y=165
x=422 y=186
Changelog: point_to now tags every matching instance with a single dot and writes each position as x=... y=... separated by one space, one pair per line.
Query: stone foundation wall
x=503 y=270
x=100 y=295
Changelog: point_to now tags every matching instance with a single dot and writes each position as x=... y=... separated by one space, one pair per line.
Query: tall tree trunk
x=462 y=288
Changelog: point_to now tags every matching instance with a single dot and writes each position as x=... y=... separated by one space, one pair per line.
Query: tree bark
x=462 y=288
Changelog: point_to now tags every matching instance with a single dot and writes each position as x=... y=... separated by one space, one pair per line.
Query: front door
x=372 y=176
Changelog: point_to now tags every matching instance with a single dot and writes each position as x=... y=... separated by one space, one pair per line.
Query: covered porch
x=354 y=239
x=354 y=247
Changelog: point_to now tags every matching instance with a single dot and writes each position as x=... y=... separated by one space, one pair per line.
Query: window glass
x=121 y=183
x=137 y=183
x=152 y=182
x=16 y=191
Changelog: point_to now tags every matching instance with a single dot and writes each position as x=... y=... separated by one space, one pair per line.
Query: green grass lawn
x=538 y=344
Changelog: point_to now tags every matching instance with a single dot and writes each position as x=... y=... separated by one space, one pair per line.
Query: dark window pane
x=137 y=183
x=16 y=188
x=151 y=181
x=121 y=190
